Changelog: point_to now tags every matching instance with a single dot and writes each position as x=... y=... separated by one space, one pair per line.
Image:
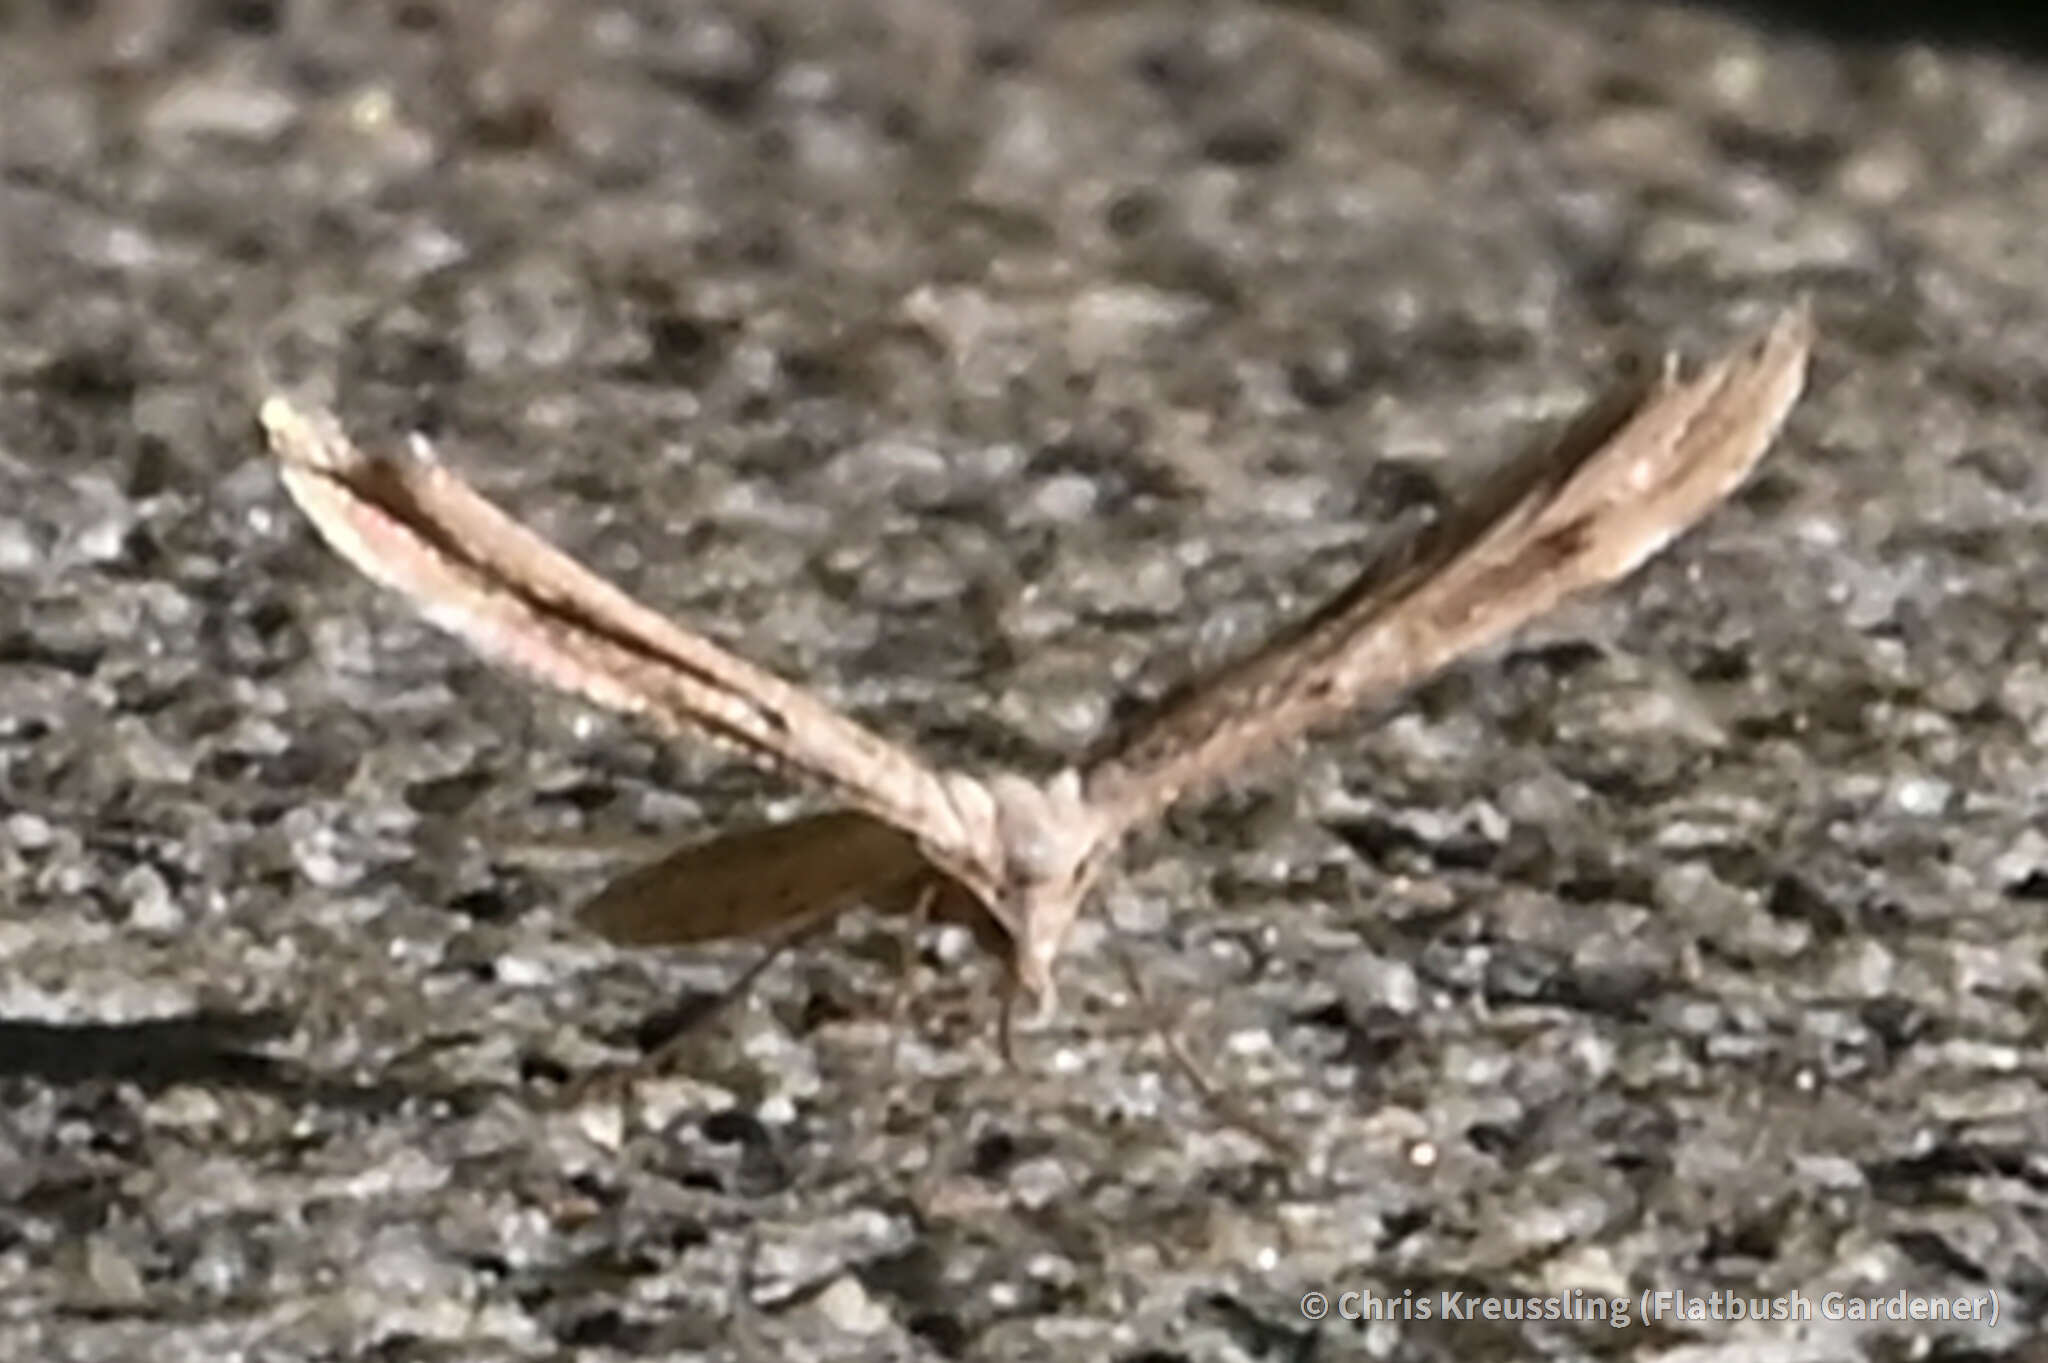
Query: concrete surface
x=981 y=365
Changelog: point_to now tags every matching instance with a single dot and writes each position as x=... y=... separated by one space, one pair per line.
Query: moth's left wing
x=1626 y=479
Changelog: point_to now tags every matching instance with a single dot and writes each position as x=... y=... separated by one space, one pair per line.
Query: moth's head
x=1054 y=847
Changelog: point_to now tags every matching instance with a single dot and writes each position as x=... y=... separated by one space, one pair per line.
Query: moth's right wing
x=410 y=524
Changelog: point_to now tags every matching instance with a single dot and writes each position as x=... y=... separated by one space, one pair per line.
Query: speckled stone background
x=989 y=367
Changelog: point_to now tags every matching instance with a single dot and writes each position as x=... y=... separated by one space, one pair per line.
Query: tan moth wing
x=753 y=882
x=1629 y=476
x=410 y=524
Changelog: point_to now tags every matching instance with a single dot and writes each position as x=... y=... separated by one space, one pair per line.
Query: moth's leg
x=906 y=958
x=939 y=899
x=1233 y=1110
x=1006 y=1025
x=786 y=935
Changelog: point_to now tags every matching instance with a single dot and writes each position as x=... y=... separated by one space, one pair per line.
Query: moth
x=1013 y=857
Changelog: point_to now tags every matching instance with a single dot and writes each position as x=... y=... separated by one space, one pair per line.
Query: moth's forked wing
x=748 y=884
x=1629 y=476
x=410 y=524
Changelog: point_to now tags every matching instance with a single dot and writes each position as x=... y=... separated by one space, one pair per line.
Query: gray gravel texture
x=982 y=366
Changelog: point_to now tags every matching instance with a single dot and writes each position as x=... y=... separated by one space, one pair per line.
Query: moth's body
x=1013 y=857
